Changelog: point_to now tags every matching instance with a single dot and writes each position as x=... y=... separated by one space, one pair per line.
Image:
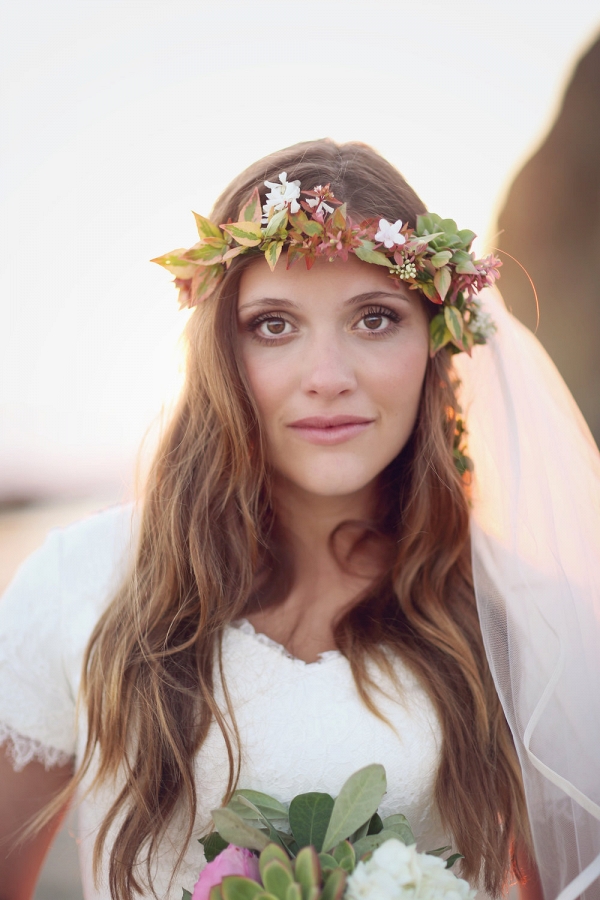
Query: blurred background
x=119 y=118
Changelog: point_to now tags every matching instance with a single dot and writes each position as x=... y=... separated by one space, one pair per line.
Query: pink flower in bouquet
x=230 y=861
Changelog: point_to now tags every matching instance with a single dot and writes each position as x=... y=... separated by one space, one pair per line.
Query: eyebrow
x=284 y=303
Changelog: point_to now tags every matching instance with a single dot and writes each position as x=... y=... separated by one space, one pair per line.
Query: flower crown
x=434 y=257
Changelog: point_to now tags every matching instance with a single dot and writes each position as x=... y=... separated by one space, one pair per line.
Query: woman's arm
x=22 y=795
x=530 y=885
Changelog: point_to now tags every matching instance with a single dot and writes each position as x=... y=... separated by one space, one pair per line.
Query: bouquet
x=321 y=849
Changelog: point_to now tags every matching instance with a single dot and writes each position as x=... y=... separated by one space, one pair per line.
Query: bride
x=294 y=596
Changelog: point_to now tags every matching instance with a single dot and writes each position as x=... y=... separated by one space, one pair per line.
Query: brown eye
x=275 y=326
x=373 y=322
x=270 y=327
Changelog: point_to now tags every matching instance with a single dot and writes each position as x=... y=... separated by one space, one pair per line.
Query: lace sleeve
x=22 y=750
x=37 y=701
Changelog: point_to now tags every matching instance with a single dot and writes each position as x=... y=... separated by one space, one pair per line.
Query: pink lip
x=330 y=429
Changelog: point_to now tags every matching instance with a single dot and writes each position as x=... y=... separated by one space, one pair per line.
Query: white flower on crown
x=322 y=208
x=282 y=195
x=389 y=234
x=399 y=872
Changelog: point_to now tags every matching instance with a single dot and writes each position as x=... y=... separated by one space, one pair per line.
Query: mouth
x=330 y=429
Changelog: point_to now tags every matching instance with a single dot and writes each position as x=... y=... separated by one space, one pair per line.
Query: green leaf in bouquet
x=345 y=856
x=307 y=872
x=327 y=862
x=236 y=887
x=373 y=841
x=213 y=844
x=309 y=817
x=355 y=804
x=234 y=830
x=375 y=824
x=186 y=895
x=335 y=883
x=399 y=825
x=268 y=806
x=293 y=892
x=273 y=833
x=215 y=892
x=288 y=842
x=437 y=852
x=277 y=877
x=273 y=852
x=452 y=859
x=264 y=896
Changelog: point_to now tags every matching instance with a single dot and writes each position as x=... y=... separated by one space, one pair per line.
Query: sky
x=119 y=118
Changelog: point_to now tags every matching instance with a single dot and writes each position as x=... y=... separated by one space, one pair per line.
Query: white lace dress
x=302 y=726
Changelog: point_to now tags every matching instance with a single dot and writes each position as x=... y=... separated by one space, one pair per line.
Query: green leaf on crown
x=373 y=256
x=205 y=281
x=206 y=228
x=205 y=253
x=454 y=323
x=439 y=335
x=248 y=234
x=467 y=237
x=464 y=263
x=276 y=222
x=442 y=281
x=273 y=252
x=357 y=801
x=252 y=210
x=176 y=263
x=338 y=218
x=313 y=228
x=441 y=258
x=309 y=818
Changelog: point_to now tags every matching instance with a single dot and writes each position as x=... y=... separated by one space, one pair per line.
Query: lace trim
x=22 y=750
x=246 y=627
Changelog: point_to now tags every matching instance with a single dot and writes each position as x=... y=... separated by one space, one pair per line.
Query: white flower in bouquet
x=398 y=872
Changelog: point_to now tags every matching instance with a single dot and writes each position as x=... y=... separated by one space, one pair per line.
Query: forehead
x=338 y=280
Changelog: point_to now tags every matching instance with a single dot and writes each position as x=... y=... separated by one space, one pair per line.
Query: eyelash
x=394 y=318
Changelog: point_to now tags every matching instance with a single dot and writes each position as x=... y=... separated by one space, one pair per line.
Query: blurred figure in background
x=551 y=224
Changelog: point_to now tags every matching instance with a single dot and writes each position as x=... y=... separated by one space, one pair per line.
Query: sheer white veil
x=536 y=554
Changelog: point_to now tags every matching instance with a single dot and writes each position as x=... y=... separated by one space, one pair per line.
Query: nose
x=327 y=369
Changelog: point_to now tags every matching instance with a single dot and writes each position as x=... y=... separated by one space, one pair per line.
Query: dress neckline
x=243 y=626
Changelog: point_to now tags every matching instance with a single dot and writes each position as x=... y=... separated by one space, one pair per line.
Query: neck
x=309 y=519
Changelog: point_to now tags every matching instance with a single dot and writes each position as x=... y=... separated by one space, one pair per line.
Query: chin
x=333 y=480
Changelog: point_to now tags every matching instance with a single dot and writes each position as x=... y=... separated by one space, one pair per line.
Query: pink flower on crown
x=389 y=234
x=282 y=195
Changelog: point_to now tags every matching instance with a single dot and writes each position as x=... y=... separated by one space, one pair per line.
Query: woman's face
x=335 y=358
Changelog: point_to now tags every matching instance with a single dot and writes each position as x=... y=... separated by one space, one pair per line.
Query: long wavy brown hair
x=209 y=546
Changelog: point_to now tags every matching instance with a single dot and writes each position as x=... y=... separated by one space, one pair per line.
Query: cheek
x=397 y=385
x=269 y=382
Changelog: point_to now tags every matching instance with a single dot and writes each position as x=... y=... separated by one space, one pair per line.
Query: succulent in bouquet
x=321 y=848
